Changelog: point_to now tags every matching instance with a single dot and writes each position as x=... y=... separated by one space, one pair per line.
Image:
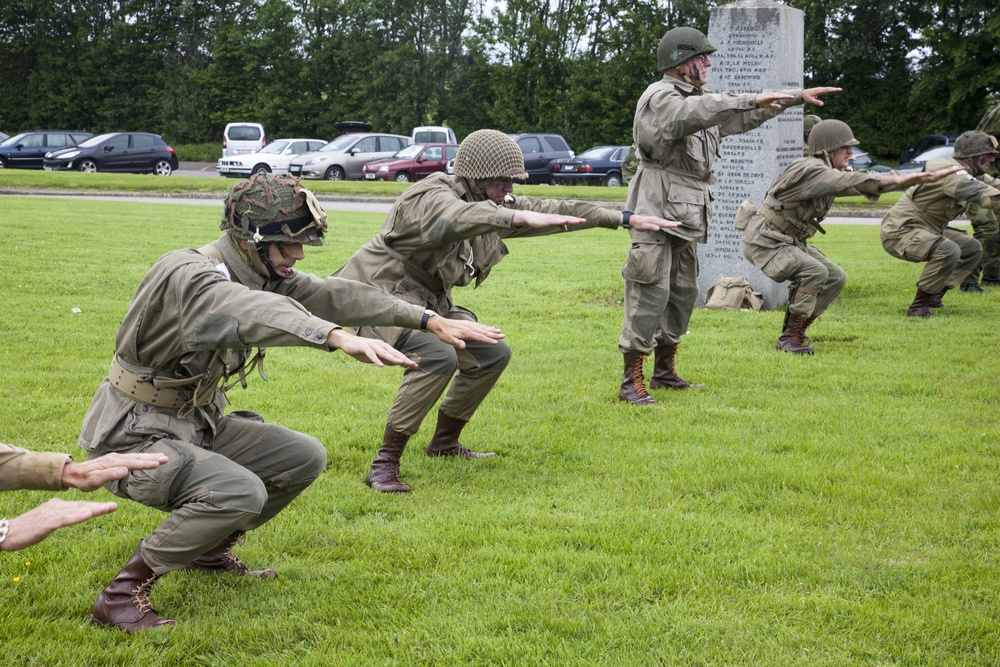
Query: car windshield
x=935 y=153
x=94 y=141
x=274 y=147
x=340 y=143
x=596 y=153
x=14 y=140
x=409 y=152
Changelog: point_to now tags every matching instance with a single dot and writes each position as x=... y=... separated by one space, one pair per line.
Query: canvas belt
x=795 y=229
x=145 y=391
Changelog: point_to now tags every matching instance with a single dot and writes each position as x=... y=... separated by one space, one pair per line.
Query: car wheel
x=334 y=174
x=3 y=164
x=613 y=180
x=163 y=168
x=402 y=177
x=261 y=169
x=87 y=165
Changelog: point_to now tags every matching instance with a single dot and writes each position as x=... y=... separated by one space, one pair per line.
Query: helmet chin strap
x=686 y=78
x=257 y=254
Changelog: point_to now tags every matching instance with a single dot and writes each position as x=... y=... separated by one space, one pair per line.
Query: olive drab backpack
x=733 y=294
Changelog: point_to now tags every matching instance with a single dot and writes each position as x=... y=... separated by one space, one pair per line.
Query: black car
x=135 y=152
x=540 y=154
x=600 y=165
x=26 y=150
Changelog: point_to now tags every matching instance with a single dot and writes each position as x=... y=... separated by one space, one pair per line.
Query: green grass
x=838 y=509
x=207 y=152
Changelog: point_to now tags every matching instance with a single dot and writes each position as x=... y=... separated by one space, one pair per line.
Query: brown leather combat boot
x=445 y=441
x=221 y=558
x=633 y=387
x=124 y=603
x=935 y=300
x=664 y=372
x=384 y=475
x=790 y=339
x=921 y=306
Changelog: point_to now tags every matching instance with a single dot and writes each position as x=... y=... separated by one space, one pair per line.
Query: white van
x=433 y=134
x=241 y=138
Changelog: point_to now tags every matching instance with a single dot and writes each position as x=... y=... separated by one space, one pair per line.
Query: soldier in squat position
x=446 y=232
x=916 y=227
x=774 y=239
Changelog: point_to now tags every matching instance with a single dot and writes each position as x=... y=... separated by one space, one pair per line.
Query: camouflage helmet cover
x=829 y=135
x=973 y=143
x=266 y=208
x=488 y=154
x=680 y=44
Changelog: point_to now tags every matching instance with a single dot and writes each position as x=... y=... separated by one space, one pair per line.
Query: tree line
x=184 y=69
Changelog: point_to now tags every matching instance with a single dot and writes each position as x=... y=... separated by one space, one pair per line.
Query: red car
x=411 y=163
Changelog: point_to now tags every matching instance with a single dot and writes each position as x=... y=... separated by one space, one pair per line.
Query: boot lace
x=140 y=595
x=638 y=382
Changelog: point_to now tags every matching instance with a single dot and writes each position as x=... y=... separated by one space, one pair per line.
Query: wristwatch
x=428 y=314
x=626 y=216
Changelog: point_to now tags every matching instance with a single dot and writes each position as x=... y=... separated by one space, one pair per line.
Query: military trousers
x=661 y=289
x=478 y=368
x=986 y=230
x=819 y=281
x=951 y=255
x=237 y=480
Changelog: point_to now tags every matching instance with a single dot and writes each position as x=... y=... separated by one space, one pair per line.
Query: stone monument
x=760 y=47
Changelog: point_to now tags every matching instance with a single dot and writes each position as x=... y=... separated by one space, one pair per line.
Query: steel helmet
x=829 y=135
x=808 y=123
x=680 y=44
x=267 y=208
x=973 y=143
x=488 y=154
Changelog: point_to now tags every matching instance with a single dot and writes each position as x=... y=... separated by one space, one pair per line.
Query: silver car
x=345 y=156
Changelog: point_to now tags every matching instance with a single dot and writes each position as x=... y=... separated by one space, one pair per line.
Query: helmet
x=808 y=123
x=489 y=154
x=266 y=208
x=973 y=143
x=829 y=135
x=680 y=44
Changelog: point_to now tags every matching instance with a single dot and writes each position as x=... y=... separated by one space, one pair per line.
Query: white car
x=274 y=158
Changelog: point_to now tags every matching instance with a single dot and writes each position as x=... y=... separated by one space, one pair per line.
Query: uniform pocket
x=687 y=205
x=644 y=264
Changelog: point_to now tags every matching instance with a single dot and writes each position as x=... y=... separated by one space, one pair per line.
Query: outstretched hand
x=536 y=220
x=812 y=95
x=367 y=350
x=93 y=474
x=905 y=180
x=35 y=525
x=456 y=332
x=651 y=223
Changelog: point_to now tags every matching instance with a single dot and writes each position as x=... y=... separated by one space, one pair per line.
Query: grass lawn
x=835 y=509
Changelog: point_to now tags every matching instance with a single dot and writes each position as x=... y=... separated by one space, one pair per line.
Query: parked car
x=412 y=163
x=274 y=157
x=540 y=154
x=917 y=163
x=345 y=156
x=600 y=165
x=135 y=152
x=433 y=134
x=925 y=143
x=28 y=149
x=243 y=138
x=862 y=161
x=4 y=136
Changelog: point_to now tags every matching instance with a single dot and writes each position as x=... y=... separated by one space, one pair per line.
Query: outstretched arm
x=889 y=181
x=456 y=332
x=35 y=525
